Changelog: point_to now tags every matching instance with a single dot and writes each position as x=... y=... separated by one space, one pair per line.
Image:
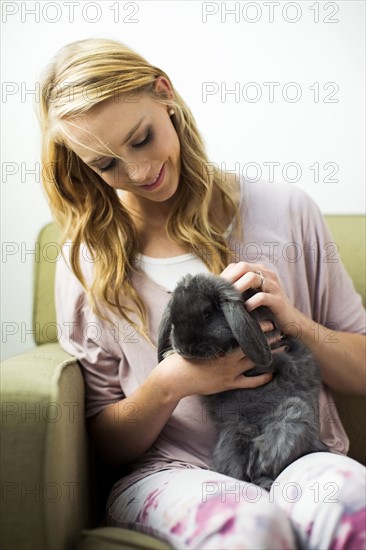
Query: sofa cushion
x=44 y=451
x=113 y=538
x=349 y=234
x=44 y=309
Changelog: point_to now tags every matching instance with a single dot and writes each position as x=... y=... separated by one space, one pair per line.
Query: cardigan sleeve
x=335 y=301
x=284 y=229
x=89 y=339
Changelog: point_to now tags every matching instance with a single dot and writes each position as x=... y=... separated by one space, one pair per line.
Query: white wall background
x=317 y=46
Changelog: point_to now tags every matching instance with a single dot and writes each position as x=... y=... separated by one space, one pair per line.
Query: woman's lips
x=157 y=181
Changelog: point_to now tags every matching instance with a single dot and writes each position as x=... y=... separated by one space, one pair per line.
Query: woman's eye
x=112 y=163
x=108 y=167
x=145 y=141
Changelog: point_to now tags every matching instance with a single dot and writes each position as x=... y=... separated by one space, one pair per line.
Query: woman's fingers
x=241 y=381
x=238 y=365
x=266 y=326
x=271 y=292
x=209 y=376
x=255 y=381
x=244 y=275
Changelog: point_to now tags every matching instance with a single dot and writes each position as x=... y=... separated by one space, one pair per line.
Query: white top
x=167 y=272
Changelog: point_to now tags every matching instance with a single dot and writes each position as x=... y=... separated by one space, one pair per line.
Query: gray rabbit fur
x=264 y=429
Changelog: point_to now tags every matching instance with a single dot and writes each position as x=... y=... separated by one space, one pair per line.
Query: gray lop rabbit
x=264 y=429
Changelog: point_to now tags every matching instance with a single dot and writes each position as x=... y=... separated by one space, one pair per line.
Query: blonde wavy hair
x=88 y=210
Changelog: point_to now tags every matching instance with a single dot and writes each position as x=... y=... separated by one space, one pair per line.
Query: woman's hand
x=271 y=294
x=207 y=376
x=341 y=355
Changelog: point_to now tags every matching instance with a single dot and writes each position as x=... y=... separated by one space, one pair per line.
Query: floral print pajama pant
x=317 y=502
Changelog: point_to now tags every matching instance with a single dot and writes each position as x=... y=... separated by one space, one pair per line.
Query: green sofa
x=53 y=486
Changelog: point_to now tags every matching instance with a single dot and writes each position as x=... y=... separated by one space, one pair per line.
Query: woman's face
x=139 y=131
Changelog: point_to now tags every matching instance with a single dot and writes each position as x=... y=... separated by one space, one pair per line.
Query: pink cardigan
x=283 y=229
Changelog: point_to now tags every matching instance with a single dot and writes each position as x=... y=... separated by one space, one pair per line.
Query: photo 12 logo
x=269 y=92
x=269 y=12
x=291 y=171
x=50 y=492
x=70 y=12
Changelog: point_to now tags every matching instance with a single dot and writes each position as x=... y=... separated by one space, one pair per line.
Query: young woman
x=129 y=182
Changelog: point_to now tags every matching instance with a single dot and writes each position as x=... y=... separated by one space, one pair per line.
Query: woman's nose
x=138 y=172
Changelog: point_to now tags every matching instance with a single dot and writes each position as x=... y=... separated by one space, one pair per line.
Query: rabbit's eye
x=206 y=314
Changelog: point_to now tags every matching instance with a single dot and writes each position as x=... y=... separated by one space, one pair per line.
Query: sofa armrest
x=352 y=412
x=44 y=452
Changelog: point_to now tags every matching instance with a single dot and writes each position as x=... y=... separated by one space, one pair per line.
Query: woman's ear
x=163 y=87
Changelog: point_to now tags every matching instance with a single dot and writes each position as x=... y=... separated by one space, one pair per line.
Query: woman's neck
x=150 y=220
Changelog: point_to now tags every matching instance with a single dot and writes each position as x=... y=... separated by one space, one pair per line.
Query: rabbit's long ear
x=247 y=332
x=165 y=327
